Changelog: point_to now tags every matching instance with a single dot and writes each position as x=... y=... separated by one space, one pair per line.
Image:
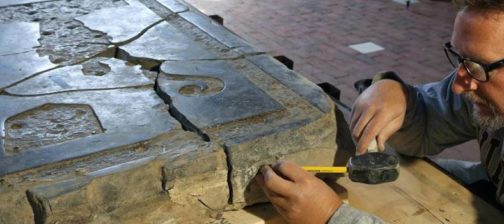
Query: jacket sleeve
x=436 y=118
x=348 y=215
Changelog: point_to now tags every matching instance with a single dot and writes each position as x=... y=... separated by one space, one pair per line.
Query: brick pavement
x=316 y=34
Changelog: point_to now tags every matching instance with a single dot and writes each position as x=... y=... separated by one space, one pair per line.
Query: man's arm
x=301 y=198
x=436 y=118
x=414 y=120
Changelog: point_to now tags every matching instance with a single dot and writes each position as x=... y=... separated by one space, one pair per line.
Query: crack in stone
x=140 y=34
x=20 y=52
x=229 y=174
x=2 y=89
x=38 y=207
x=77 y=90
x=186 y=124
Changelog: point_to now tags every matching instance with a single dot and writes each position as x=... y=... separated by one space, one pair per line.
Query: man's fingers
x=290 y=170
x=388 y=131
x=271 y=181
x=355 y=115
x=361 y=124
x=278 y=200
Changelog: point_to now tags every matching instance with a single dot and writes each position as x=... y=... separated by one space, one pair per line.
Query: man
x=422 y=120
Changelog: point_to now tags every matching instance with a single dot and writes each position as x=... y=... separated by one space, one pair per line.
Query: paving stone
x=98 y=73
x=367 y=47
x=174 y=5
x=215 y=90
x=122 y=27
x=125 y=116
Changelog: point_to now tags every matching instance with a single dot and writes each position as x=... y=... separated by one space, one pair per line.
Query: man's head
x=478 y=35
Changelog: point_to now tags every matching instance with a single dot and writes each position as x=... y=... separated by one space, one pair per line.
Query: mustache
x=472 y=97
x=476 y=99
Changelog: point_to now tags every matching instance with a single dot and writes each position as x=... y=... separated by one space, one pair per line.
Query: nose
x=463 y=81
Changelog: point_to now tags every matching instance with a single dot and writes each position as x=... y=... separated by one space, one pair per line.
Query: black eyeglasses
x=476 y=70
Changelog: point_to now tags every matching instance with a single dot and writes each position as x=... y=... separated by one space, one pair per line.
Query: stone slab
x=19 y=59
x=5 y=3
x=166 y=42
x=16 y=67
x=65 y=40
x=123 y=26
x=98 y=73
x=210 y=93
x=79 y=199
x=188 y=174
x=18 y=37
x=297 y=83
x=309 y=142
x=126 y=116
x=218 y=31
x=174 y=5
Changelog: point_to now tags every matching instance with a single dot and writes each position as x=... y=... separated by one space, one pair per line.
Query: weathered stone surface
x=199 y=174
x=93 y=141
x=109 y=194
x=173 y=146
x=215 y=90
x=127 y=116
x=65 y=40
x=16 y=67
x=174 y=5
x=47 y=125
x=102 y=191
x=296 y=130
x=310 y=143
x=98 y=73
x=165 y=42
x=174 y=40
x=18 y=59
x=297 y=83
x=123 y=27
x=218 y=32
x=13 y=33
x=5 y=3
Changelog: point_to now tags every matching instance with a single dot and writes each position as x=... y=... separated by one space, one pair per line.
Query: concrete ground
x=316 y=35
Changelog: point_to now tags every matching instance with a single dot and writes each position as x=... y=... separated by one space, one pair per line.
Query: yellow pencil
x=326 y=169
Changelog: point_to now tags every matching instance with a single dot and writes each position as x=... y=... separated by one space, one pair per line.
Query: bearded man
x=419 y=120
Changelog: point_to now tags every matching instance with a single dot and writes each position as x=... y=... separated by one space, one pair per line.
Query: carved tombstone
x=162 y=116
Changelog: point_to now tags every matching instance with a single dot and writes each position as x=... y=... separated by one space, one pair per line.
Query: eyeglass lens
x=474 y=69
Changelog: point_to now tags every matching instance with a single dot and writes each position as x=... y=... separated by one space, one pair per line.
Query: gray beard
x=490 y=122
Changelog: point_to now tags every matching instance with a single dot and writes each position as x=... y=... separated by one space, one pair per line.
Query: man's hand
x=297 y=195
x=378 y=113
